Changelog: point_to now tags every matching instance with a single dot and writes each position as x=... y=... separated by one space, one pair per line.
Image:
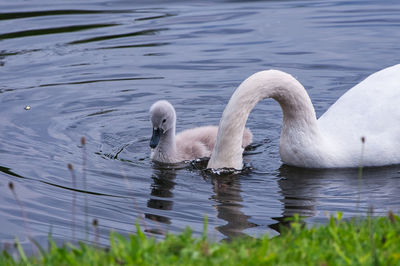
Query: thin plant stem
x=83 y=143
x=21 y=206
x=95 y=224
x=360 y=171
x=371 y=235
x=71 y=169
x=130 y=187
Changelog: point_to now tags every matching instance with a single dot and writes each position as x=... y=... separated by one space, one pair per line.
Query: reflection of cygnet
x=370 y=109
x=187 y=145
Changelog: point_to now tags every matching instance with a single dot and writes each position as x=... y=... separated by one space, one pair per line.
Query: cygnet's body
x=370 y=110
x=187 y=145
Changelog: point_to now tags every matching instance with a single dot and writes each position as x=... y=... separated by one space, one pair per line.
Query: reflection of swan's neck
x=299 y=120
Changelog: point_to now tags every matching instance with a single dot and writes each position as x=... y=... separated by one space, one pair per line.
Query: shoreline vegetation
x=358 y=241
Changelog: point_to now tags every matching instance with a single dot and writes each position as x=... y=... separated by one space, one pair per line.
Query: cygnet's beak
x=155 y=138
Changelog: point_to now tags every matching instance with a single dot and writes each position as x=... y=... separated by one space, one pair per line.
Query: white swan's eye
x=164 y=120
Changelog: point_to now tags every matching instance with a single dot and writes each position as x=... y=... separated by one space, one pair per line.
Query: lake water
x=93 y=68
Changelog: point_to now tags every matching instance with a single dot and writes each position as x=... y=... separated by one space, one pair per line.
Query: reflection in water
x=88 y=68
x=309 y=193
x=161 y=192
x=227 y=195
x=299 y=194
x=305 y=190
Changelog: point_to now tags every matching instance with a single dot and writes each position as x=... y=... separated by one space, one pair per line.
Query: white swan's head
x=163 y=118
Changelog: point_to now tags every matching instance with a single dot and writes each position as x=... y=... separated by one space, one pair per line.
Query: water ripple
x=93 y=70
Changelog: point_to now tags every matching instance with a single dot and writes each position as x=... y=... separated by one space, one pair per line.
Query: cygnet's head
x=163 y=118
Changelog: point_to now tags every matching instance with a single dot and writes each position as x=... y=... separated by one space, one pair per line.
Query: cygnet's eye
x=164 y=120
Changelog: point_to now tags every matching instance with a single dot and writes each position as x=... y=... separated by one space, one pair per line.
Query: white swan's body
x=187 y=145
x=371 y=109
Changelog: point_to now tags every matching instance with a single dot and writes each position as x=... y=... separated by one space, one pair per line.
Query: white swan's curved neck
x=298 y=114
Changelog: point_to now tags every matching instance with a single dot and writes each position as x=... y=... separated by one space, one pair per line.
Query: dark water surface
x=93 y=68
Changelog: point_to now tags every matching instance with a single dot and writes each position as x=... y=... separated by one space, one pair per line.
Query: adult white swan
x=370 y=109
x=189 y=144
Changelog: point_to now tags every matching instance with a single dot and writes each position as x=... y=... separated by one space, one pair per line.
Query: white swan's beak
x=155 y=138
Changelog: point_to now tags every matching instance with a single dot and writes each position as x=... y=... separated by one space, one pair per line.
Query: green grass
x=368 y=241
